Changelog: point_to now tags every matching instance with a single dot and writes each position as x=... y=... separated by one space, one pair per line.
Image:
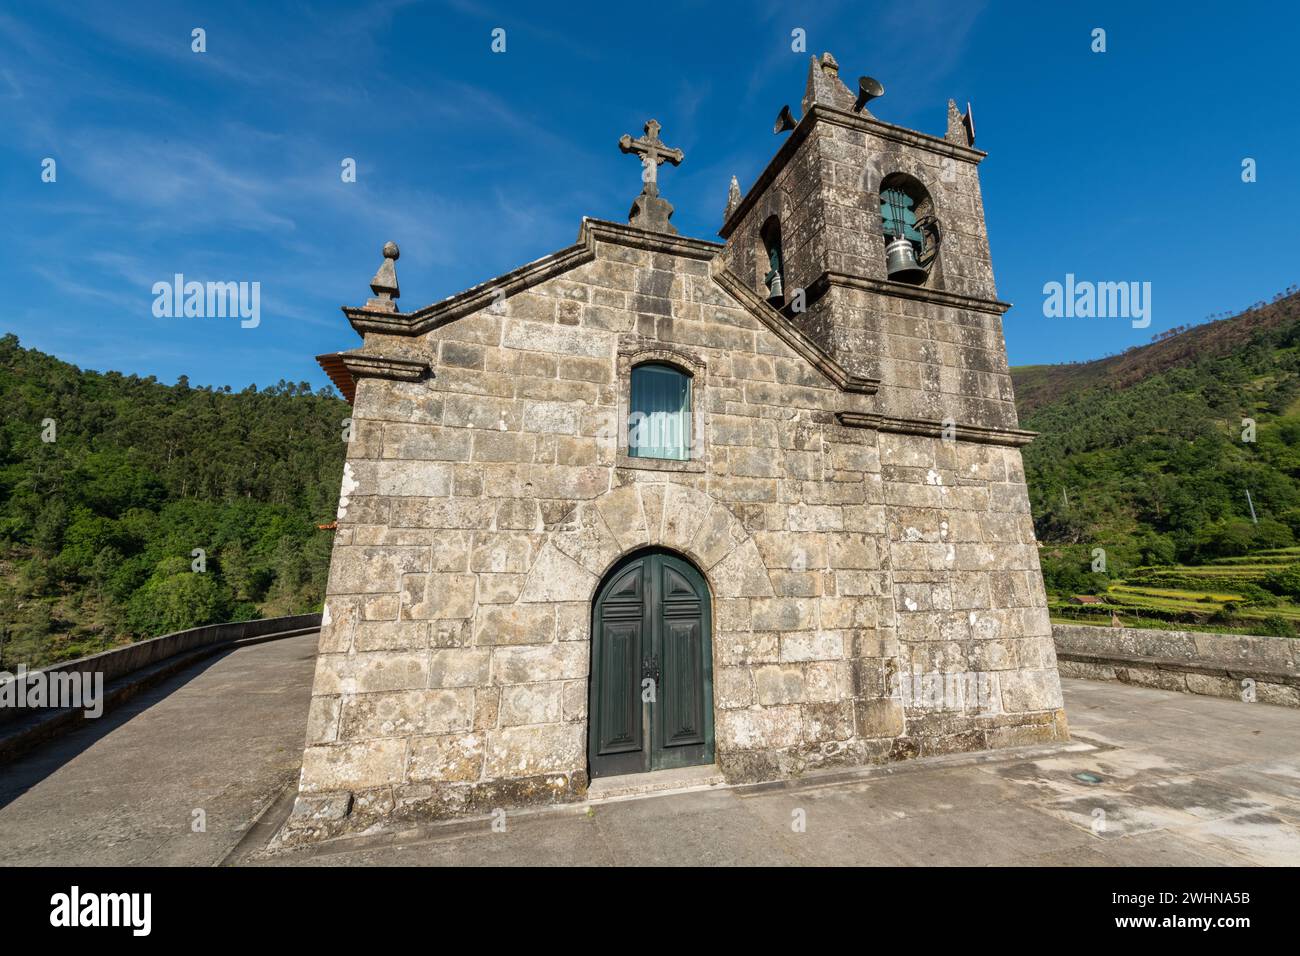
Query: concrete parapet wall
x=123 y=672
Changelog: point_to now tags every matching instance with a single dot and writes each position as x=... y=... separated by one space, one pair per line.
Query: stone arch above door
x=598 y=533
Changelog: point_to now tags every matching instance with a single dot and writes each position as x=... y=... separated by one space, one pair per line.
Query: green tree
x=176 y=598
x=1284 y=581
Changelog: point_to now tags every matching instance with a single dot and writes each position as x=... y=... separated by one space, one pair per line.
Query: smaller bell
x=775 y=291
x=901 y=264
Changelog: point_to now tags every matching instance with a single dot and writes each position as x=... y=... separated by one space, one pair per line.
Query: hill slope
x=1146 y=455
x=1038 y=385
x=98 y=526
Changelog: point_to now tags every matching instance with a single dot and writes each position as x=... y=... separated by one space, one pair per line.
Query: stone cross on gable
x=649 y=211
x=653 y=154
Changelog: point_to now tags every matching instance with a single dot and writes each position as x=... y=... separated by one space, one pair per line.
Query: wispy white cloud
x=10 y=88
x=191 y=186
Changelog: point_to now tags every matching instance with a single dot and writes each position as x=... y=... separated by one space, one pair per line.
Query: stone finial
x=733 y=198
x=649 y=210
x=384 y=284
x=825 y=86
x=955 y=133
x=961 y=128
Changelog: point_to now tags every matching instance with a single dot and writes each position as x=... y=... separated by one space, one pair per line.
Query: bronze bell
x=901 y=264
x=774 y=285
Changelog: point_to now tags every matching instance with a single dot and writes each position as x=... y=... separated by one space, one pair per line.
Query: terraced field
x=1224 y=595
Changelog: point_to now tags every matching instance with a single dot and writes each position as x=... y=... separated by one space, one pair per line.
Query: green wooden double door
x=651 y=704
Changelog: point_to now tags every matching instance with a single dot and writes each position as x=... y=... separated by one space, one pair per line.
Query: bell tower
x=870 y=237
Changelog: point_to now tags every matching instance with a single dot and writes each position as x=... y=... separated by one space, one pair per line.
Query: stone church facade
x=830 y=561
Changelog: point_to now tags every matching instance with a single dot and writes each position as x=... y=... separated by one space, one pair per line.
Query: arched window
x=910 y=227
x=659 y=413
x=774 y=278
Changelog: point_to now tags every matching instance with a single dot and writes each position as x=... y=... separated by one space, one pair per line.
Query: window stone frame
x=632 y=353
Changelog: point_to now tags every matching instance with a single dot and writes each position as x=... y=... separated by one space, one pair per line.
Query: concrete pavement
x=1152 y=778
x=224 y=737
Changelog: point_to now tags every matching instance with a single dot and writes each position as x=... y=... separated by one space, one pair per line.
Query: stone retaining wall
x=1238 y=666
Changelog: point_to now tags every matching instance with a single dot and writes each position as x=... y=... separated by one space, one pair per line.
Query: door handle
x=650 y=668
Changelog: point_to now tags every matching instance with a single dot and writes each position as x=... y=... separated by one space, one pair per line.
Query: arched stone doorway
x=651 y=687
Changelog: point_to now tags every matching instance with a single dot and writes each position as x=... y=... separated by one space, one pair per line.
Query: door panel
x=651 y=619
x=628 y=585
x=676 y=586
x=620 y=726
x=682 y=693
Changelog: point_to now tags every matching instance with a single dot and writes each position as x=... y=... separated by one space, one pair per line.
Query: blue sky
x=225 y=165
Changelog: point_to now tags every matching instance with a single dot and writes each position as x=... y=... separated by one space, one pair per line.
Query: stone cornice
x=525 y=277
x=901 y=290
x=602 y=230
x=837 y=117
x=813 y=353
x=345 y=368
x=981 y=434
x=898 y=134
x=362 y=365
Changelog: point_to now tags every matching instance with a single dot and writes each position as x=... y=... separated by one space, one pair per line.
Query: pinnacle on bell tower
x=733 y=198
x=825 y=86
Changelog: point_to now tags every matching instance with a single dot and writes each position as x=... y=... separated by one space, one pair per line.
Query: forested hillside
x=99 y=525
x=1150 y=456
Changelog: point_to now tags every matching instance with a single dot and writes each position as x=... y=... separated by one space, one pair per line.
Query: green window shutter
x=659 y=416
